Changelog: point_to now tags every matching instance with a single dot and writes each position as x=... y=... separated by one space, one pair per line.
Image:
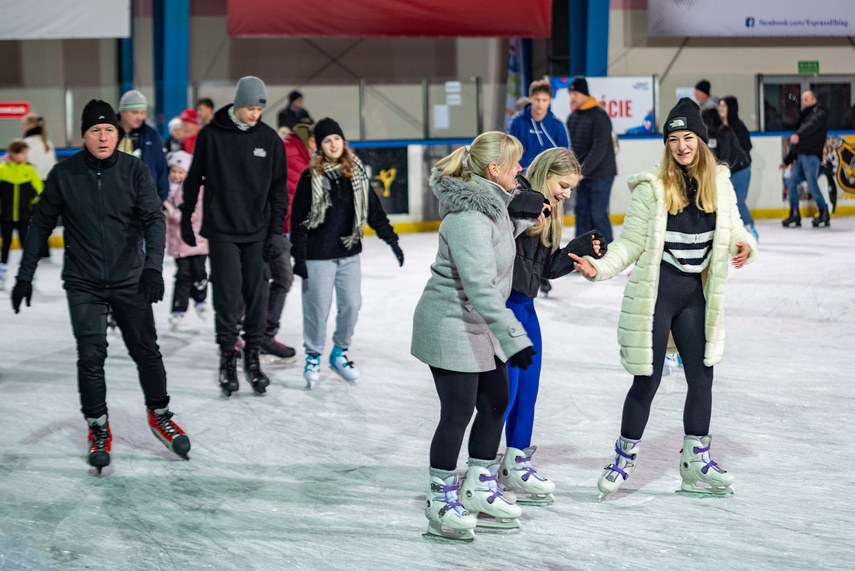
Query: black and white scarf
x=321 y=199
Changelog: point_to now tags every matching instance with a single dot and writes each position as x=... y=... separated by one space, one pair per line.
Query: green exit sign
x=808 y=67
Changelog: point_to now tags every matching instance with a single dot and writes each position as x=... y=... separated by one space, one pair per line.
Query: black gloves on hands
x=527 y=204
x=274 y=246
x=22 y=290
x=187 y=233
x=522 y=360
x=584 y=245
x=151 y=285
x=301 y=270
x=399 y=253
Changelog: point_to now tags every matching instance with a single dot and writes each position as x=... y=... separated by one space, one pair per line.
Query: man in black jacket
x=295 y=113
x=807 y=144
x=591 y=140
x=109 y=205
x=241 y=162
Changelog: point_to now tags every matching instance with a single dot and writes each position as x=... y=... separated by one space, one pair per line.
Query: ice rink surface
x=336 y=478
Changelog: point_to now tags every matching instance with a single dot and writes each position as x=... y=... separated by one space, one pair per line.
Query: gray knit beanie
x=250 y=91
x=133 y=100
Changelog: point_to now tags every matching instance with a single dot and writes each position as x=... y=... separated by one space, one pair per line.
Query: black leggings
x=680 y=310
x=6 y=229
x=460 y=394
x=191 y=282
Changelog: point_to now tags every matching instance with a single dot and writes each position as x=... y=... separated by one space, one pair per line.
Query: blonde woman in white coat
x=681 y=225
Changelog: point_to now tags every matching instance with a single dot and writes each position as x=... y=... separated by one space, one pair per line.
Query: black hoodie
x=245 y=177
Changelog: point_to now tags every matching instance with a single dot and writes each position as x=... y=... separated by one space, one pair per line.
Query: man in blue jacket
x=536 y=127
x=142 y=141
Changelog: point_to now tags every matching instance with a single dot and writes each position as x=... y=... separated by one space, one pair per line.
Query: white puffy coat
x=643 y=239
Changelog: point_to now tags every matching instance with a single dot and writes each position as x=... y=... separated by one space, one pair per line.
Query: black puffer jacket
x=726 y=148
x=812 y=131
x=108 y=207
x=591 y=140
x=534 y=261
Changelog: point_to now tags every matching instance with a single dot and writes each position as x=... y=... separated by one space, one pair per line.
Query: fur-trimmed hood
x=479 y=194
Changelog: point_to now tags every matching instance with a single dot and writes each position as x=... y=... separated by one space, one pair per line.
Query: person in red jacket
x=299 y=146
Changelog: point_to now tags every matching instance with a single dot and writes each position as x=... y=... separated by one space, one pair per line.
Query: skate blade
x=539 y=500
x=699 y=491
x=274 y=361
x=493 y=524
x=435 y=531
x=339 y=373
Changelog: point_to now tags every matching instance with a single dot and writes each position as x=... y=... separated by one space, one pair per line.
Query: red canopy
x=390 y=18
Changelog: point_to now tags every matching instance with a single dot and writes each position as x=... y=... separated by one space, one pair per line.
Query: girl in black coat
x=728 y=110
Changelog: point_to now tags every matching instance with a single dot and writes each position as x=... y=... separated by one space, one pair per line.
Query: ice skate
x=822 y=220
x=312 y=370
x=701 y=475
x=174 y=319
x=112 y=326
x=100 y=442
x=2 y=277
x=447 y=518
x=276 y=353
x=480 y=494
x=253 y=373
x=228 y=373
x=201 y=310
x=341 y=364
x=162 y=426
x=528 y=487
x=794 y=219
x=616 y=473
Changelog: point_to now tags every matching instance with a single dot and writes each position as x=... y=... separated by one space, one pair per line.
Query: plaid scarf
x=321 y=199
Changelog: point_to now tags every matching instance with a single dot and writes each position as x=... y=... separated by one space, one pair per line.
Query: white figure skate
x=480 y=494
x=696 y=466
x=516 y=474
x=447 y=518
x=616 y=473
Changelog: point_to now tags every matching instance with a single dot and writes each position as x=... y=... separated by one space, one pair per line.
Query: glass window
x=836 y=99
x=781 y=106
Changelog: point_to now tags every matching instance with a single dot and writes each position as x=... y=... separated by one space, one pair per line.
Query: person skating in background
x=20 y=186
x=109 y=205
x=681 y=225
x=806 y=146
x=191 y=279
x=591 y=141
x=295 y=113
x=176 y=134
x=728 y=110
x=204 y=110
x=41 y=153
x=464 y=332
x=726 y=148
x=241 y=162
x=190 y=127
x=702 y=96
x=332 y=203
x=143 y=141
x=536 y=127
x=554 y=173
x=299 y=146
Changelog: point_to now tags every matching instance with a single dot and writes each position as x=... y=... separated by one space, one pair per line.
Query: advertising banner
x=516 y=78
x=755 y=18
x=386 y=168
x=628 y=101
x=14 y=109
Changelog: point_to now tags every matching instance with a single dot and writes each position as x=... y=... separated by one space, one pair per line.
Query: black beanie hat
x=579 y=84
x=685 y=116
x=95 y=113
x=703 y=85
x=326 y=127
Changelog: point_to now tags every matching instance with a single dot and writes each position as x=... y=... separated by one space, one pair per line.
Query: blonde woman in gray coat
x=465 y=333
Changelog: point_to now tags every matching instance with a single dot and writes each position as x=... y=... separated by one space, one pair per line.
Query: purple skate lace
x=451 y=498
x=529 y=471
x=497 y=493
x=615 y=467
x=708 y=465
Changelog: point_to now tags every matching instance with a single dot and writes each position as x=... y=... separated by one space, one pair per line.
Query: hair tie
x=468 y=148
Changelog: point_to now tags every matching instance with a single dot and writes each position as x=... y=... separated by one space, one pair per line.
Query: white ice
x=336 y=478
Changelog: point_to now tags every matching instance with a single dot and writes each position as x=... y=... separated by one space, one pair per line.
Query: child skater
x=332 y=203
x=681 y=224
x=20 y=187
x=555 y=173
x=191 y=280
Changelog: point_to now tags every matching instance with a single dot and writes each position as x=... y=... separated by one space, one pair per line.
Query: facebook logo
x=749 y=22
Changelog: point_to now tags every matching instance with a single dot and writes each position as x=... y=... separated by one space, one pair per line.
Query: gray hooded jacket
x=461 y=321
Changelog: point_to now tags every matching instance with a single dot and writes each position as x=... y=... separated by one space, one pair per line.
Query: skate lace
x=166 y=425
x=526 y=463
x=620 y=453
x=313 y=364
x=492 y=485
x=100 y=435
x=705 y=456
x=450 y=497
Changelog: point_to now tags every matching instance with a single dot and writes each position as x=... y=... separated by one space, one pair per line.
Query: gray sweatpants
x=343 y=275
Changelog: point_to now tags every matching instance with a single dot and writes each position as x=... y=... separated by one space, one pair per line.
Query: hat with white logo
x=97 y=112
x=685 y=116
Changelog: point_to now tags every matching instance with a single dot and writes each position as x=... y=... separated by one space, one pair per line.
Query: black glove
x=187 y=233
x=584 y=245
x=522 y=360
x=301 y=270
x=151 y=285
x=399 y=253
x=274 y=246
x=22 y=290
x=527 y=204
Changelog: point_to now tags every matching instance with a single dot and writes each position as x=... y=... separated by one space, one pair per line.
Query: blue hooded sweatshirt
x=537 y=136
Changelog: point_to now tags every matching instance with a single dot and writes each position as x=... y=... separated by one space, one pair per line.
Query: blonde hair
x=37 y=120
x=490 y=147
x=320 y=160
x=702 y=169
x=558 y=161
x=540 y=86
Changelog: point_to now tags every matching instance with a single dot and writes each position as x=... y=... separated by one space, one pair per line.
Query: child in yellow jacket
x=20 y=187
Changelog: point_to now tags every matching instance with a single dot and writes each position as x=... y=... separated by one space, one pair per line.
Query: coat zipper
x=101 y=224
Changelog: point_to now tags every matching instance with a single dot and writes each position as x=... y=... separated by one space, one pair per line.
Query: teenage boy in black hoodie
x=109 y=205
x=241 y=162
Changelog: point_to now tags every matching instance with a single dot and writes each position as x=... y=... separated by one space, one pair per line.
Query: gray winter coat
x=461 y=321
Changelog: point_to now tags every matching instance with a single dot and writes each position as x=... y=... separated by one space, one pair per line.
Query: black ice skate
x=252 y=370
x=276 y=353
x=100 y=441
x=228 y=373
x=162 y=426
x=823 y=219
x=794 y=219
